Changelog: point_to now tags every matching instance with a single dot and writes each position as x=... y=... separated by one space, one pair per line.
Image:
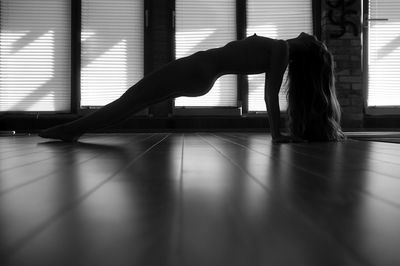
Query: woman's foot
x=59 y=132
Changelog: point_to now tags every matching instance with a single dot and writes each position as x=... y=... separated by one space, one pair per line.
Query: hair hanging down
x=313 y=109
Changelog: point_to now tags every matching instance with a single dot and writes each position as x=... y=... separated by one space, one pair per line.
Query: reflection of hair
x=314 y=111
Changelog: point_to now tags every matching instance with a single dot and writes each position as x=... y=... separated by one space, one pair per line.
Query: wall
x=159 y=44
x=342 y=33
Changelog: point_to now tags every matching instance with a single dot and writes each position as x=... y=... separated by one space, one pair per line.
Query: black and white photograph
x=199 y=132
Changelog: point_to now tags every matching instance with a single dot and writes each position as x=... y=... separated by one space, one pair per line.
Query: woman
x=314 y=112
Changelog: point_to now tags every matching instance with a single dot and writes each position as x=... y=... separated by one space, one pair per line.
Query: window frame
x=75 y=66
x=76 y=27
x=371 y=110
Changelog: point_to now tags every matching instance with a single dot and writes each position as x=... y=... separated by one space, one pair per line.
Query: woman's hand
x=287 y=139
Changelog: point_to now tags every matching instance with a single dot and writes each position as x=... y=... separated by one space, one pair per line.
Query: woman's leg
x=190 y=76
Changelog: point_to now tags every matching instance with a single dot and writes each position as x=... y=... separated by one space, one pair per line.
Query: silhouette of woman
x=313 y=109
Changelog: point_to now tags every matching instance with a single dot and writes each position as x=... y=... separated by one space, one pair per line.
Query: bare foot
x=59 y=132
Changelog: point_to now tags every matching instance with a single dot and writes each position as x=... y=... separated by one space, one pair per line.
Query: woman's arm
x=273 y=79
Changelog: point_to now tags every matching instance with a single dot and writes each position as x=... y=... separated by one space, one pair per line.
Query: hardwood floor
x=198 y=199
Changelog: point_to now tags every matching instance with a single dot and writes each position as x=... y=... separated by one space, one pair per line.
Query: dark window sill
x=29 y=123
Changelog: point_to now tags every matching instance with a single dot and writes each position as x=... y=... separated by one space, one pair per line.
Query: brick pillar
x=341 y=31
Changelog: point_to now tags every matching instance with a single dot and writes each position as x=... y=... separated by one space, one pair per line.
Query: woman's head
x=314 y=111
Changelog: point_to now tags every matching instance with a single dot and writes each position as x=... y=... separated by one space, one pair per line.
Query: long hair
x=313 y=109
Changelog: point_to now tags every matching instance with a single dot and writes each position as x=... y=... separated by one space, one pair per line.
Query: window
x=35 y=52
x=201 y=25
x=35 y=55
x=275 y=19
x=383 y=53
x=112 y=49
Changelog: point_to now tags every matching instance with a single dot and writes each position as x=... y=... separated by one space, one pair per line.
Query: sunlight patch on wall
x=105 y=78
x=35 y=55
x=26 y=66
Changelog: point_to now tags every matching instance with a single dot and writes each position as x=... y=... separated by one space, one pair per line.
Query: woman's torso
x=248 y=56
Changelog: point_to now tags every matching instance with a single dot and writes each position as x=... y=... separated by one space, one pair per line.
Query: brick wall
x=341 y=31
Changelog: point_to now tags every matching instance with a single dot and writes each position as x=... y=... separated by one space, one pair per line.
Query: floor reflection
x=201 y=199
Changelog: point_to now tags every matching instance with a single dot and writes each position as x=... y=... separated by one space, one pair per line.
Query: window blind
x=201 y=25
x=35 y=55
x=112 y=49
x=280 y=20
x=384 y=53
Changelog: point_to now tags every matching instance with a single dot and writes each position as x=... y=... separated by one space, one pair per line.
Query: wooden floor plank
x=359 y=147
x=206 y=202
x=29 y=210
x=78 y=153
x=269 y=176
x=198 y=199
x=336 y=203
x=342 y=161
x=119 y=209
